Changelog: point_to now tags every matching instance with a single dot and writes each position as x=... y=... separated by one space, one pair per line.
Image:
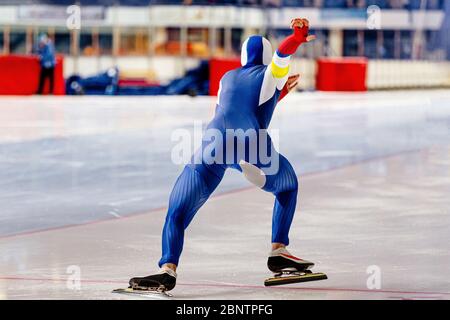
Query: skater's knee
x=287 y=195
x=286 y=179
x=290 y=185
x=293 y=186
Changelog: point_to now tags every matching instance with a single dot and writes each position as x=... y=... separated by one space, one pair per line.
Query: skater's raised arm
x=277 y=72
x=281 y=59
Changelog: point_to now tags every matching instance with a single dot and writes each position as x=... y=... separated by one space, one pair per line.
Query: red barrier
x=341 y=74
x=19 y=75
x=217 y=68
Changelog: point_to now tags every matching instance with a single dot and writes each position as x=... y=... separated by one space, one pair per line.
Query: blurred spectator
x=357 y=4
x=272 y=3
x=46 y=52
x=334 y=3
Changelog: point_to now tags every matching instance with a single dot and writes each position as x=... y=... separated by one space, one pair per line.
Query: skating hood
x=256 y=50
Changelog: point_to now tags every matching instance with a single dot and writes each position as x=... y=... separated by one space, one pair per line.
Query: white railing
x=391 y=74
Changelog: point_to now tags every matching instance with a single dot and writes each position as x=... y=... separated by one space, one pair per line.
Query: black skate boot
x=164 y=280
x=280 y=259
x=289 y=269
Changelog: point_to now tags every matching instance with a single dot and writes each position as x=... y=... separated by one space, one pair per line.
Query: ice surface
x=374 y=172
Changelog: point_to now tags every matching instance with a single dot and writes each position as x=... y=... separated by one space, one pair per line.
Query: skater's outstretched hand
x=301 y=30
x=300 y=35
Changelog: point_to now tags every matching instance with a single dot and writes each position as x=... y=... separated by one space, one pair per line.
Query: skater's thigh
x=283 y=177
x=211 y=174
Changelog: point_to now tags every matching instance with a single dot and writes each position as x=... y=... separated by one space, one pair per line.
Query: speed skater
x=246 y=101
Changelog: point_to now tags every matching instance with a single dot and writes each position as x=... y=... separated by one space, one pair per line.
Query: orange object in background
x=217 y=68
x=173 y=48
x=19 y=75
x=341 y=74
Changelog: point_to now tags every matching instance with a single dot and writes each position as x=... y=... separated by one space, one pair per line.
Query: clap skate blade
x=288 y=276
x=144 y=291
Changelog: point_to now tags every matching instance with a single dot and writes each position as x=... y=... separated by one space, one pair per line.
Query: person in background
x=46 y=53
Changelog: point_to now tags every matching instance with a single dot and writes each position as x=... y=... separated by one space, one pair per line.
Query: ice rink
x=84 y=182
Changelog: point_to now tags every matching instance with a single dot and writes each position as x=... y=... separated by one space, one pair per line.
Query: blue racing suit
x=246 y=100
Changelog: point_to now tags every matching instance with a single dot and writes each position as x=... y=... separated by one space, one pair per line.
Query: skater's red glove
x=299 y=36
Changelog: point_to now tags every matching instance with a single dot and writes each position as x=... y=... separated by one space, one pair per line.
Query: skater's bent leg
x=284 y=185
x=192 y=188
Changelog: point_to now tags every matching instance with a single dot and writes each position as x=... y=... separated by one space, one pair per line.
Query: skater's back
x=240 y=88
x=248 y=95
x=243 y=90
